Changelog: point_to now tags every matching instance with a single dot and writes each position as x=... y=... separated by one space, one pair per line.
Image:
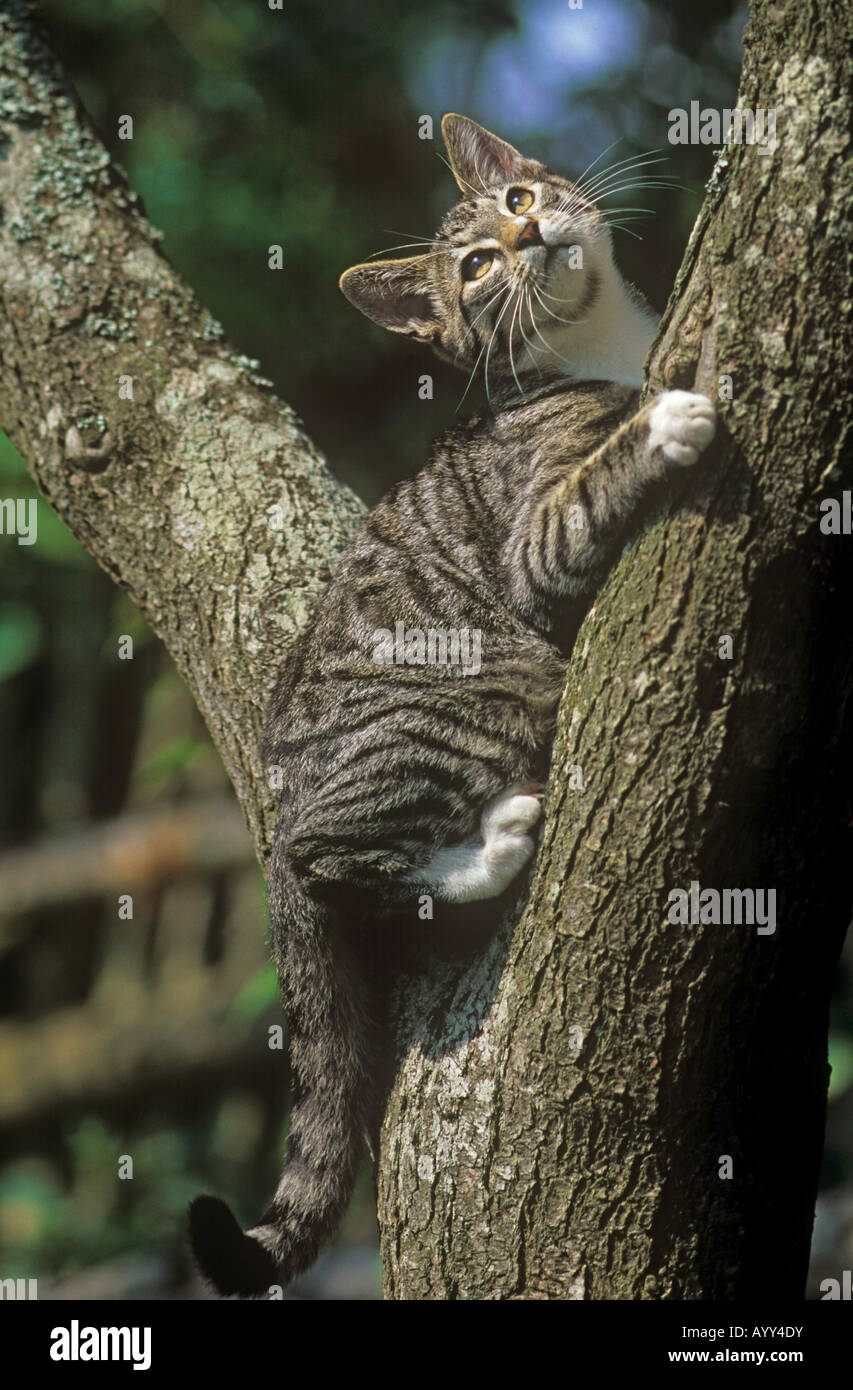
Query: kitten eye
x=519 y=199
x=476 y=263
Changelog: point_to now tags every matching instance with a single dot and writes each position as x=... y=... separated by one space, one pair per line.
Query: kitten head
x=513 y=274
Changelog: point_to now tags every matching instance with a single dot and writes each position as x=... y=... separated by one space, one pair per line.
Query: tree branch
x=200 y=495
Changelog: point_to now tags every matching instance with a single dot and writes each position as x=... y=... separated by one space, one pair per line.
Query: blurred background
x=144 y=1037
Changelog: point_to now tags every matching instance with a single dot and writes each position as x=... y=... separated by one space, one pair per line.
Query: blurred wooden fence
x=159 y=1009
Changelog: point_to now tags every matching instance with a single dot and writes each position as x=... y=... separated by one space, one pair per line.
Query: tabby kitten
x=403 y=772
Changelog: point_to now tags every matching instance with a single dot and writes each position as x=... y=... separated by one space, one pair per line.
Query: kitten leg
x=573 y=520
x=484 y=868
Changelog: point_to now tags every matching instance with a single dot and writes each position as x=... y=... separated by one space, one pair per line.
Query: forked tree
x=601 y=1102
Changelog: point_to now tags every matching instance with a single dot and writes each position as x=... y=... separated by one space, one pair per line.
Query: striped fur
x=405 y=778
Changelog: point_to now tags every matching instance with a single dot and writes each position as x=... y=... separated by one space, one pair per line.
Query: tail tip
x=229 y=1259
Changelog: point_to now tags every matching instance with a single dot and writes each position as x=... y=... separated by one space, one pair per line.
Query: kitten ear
x=396 y=295
x=480 y=160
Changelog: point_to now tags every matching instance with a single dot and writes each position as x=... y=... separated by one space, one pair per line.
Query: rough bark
x=200 y=494
x=515 y=1164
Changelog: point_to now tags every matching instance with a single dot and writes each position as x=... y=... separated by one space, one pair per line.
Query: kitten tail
x=325 y=999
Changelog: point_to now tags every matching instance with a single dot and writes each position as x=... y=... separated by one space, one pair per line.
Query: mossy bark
x=565 y=1097
x=560 y=1121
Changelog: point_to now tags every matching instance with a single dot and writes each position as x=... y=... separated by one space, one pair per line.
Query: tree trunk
x=564 y=1105
x=565 y=1097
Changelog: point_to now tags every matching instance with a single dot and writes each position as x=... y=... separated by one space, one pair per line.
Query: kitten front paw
x=681 y=425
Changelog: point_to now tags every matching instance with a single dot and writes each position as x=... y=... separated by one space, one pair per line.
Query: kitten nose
x=528 y=235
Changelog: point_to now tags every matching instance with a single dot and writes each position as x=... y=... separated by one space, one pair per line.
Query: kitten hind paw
x=507 y=844
x=512 y=814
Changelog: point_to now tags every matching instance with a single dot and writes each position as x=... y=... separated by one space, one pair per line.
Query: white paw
x=507 y=845
x=511 y=814
x=505 y=858
x=682 y=424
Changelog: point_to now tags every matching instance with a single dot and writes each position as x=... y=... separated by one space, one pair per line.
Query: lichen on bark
x=565 y=1095
x=165 y=451
x=515 y=1163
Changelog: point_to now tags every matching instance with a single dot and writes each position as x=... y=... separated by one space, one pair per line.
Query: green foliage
x=55 y=545
x=45 y=1228
x=31 y=1214
x=841 y=1062
x=257 y=995
x=12 y=467
x=21 y=638
x=171 y=758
